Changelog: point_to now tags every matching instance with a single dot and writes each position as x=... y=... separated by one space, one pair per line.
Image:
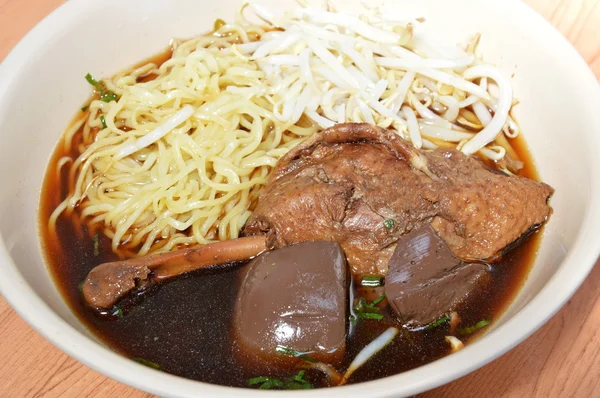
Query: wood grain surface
x=561 y=360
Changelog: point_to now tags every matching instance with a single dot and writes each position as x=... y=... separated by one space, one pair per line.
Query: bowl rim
x=563 y=284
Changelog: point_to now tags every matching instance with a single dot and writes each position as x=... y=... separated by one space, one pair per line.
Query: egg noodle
x=180 y=159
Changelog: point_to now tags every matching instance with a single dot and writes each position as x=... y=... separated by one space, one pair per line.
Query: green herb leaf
x=96 y=245
x=378 y=300
x=299 y=386
x=366 y=310
x=287 y=351
x=108 y=96
x=360 y=304
x=372 y=281
x=474 y=328
x=271 y=383
x=437 y=323
x=369 y=315
x=103 y=120
x=353 y=319
x=257 y=380
x=118 y=312
x=147 y=363
x=363 y=306
x=97 y=85
x=296 y=382
x=105 y=95
x=389 y=224
x=299 y=376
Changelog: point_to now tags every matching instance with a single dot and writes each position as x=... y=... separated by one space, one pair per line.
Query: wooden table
x=559 y=360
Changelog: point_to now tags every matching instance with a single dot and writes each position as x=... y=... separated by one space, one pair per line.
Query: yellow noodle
x=197 y=183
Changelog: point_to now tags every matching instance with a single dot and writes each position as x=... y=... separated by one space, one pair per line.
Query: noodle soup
x=253 y=139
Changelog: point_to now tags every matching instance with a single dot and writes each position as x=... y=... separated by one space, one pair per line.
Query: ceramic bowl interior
x=42 y=87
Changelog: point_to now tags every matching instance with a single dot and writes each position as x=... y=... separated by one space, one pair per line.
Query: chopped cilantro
x=365 y=310
x=271 y=383
x=296 y=382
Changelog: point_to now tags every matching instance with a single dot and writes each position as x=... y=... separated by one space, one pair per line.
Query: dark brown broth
x=184 y=325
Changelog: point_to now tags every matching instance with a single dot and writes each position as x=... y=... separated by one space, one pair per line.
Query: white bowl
x=42 y=87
